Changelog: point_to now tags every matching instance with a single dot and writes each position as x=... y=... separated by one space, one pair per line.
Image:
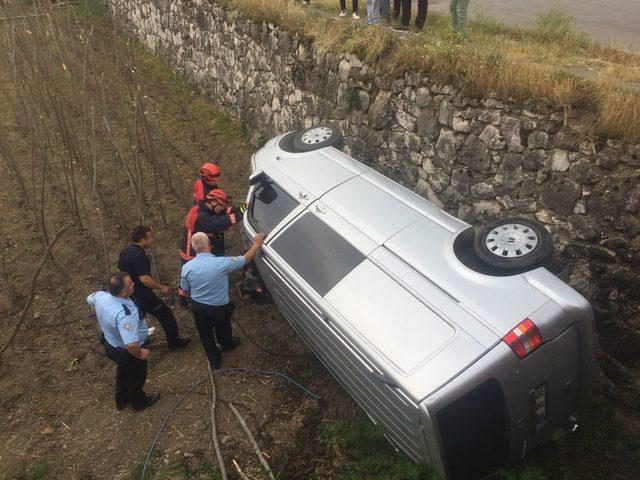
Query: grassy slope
x=546 y=61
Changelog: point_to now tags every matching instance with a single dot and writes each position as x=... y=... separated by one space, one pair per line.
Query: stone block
x=380 y=111
x=445 y=114
x=558 y=161
x=561 y=194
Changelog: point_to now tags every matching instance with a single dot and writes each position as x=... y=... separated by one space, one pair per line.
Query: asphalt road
x=614 y=22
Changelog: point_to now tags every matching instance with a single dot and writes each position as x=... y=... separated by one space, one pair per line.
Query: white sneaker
x=343 y=13
x=356 y=16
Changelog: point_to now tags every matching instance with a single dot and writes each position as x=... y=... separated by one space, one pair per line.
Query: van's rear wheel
x=513 y=244
x=317 y=137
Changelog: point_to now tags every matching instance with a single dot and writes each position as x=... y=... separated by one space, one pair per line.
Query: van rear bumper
x=505 y=388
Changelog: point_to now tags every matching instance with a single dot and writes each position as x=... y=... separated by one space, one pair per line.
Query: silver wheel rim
x=316 y=135
x=512 y=240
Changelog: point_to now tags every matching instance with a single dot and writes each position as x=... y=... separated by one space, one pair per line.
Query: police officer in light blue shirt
x=124 y=335
x=205 y=282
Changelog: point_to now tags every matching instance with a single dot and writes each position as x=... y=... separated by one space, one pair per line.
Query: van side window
x=317 y=253
x=269 y=205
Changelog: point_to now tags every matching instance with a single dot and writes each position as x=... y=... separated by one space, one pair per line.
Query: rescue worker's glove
x=243 y=208
x=237 y=213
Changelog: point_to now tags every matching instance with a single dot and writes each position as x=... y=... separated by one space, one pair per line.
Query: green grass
x=38 y=471
x=91 y=9
x=602 y=448
x=189 y=94
x=555 y=24
x=358 y=449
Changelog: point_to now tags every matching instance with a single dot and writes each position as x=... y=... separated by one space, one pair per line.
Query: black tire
x=513 y=244
x=317 y=137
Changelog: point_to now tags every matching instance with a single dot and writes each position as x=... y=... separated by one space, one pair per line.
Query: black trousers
x=405 y=5
x=217 y=244
x=354 y=4
x=131 y=375
x=209 y=319
x=155 y=307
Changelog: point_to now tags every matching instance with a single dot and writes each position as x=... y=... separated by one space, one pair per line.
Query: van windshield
x=269 y=206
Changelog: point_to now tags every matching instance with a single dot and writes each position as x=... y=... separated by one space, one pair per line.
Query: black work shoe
x=122 y=404
x=235 y=341
x=180 y=343
x=151 y=399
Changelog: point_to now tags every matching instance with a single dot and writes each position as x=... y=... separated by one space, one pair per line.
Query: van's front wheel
x=513 y=244
x=317 y=137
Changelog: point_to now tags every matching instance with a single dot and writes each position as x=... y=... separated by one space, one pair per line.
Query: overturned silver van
x=458 y=342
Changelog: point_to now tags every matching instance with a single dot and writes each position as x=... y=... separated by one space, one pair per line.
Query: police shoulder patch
x=127 y=325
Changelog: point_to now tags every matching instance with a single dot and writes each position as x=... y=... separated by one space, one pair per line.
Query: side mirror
x=257 y=178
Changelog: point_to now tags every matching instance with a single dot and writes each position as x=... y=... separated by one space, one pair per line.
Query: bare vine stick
x=32 y=289
x=214 y=431
x=5 y=279
x=243 y=476
x=252 y=439
x=7 y=155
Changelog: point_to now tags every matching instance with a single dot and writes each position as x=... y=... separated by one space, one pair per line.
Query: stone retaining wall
x=478 y=159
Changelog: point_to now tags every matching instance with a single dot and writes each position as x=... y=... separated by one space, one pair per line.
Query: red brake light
x=523 y=339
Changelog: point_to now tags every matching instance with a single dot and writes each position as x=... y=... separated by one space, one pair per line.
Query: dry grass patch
x=549 y=61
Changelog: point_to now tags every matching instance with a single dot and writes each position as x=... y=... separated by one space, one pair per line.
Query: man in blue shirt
x=204 y=280
x=124 y=335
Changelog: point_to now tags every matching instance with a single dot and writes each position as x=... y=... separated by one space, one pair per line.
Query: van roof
x=452 y=313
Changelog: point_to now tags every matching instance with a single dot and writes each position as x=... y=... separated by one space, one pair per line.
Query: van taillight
x=523 y=339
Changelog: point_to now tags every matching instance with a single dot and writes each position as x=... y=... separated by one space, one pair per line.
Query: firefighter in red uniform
x=212 y=217
x=207 y=181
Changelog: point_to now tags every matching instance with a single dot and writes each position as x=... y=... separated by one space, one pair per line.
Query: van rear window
x=269 y=205
x=474 y=430
x=317 y=253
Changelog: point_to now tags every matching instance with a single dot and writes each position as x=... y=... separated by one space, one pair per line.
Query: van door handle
x=321 y=209
x=303 y=196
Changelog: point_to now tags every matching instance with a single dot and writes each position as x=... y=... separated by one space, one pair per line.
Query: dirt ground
x=56 y=397
x=86 y=105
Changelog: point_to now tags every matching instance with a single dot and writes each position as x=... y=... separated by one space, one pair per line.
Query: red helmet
x=217 y=195
x=210 y=172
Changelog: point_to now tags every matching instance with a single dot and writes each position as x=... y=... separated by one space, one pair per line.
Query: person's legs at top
x=354 y=5
x=406 y=13
x=396 y=8
x=453 y=12
x=373 y=11
x=385 y=9
x=423 y=6
x=463 y=14
x=343 y=8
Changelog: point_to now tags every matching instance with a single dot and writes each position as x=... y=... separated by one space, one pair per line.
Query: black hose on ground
x=270 y=373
